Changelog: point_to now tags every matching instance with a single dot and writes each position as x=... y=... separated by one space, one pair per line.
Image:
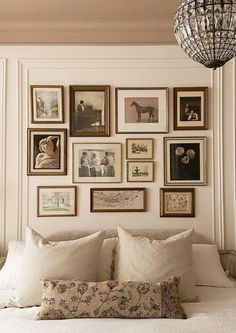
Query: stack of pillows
x=75 y=279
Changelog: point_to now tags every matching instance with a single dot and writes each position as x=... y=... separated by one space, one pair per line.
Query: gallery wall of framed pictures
x=142 y=118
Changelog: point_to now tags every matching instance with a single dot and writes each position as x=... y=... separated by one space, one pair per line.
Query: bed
x=215 y=313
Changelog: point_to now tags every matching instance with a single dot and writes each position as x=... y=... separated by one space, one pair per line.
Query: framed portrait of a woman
x=47 y=151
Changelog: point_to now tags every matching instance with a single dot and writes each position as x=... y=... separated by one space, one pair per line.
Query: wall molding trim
x=3 y=63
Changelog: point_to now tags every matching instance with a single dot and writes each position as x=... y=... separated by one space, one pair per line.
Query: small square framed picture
x=185 y=161
x=142 y=110
x=47 y=151
x=47 y=104
x=117 y=200
x=177 y=202
x=89 y=110
x=140 y=171
x=96 y=162
x=139 y=149
x=56 y=201
x=190 y=108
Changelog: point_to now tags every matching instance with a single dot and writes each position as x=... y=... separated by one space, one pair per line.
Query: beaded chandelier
x=206 y=30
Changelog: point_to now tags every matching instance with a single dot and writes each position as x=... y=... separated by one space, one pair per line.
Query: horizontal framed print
x=139 y=149
x=185 y=161
x=141 y=110
x=190 y=108
x=56 y=201
x=140 y=171
x=89 y=110
x=177 y=202
x=47 y=104
x=47 y=151
x=117 y=199
x=96 y=162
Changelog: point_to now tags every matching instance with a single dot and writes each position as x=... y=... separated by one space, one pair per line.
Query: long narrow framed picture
x=142 y=110
x=139 y=149
x=47 y=151
x=177 y=202
x=96 y=162
x=140 y=171
x=89 y=110
x=190 y=108
x=185 y=161
x=56 y=201
x=47 y=104
x=117 y=199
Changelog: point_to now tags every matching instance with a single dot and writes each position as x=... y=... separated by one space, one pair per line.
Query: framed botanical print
x=56 y=201
x=117 y=199
x=139 y=149
x=177 y=202
x=185 y=161
x=89 y=110
x=97 y=162
x=47 y=151
x=142 y=110
x=190 y=108
x=140 y=171
x=47 y=104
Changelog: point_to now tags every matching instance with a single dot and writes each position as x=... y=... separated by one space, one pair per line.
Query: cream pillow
x=66 y=260
x=143 y=259
x=208 y=268
x=105 y=260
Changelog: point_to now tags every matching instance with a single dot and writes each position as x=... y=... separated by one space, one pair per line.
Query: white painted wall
x=117 y=66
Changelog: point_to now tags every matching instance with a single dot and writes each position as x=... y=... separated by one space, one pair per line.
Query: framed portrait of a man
x=96 y=163
x=190 y=108
x=47 y=151
x=89 y=110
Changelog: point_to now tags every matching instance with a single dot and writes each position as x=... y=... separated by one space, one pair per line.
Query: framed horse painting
x=141 y=110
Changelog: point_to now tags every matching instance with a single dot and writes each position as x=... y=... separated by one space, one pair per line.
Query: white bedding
x=216 y=313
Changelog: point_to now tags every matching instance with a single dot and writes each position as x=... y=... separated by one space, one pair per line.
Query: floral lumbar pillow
x=110 y=299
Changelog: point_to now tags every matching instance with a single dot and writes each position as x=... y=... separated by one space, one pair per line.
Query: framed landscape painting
x=96 y=162
x=190 y=108
x=47 y=104
x=140 y=171
x=142 y=110
x=139 y=149
x=89 y=110
x=185 y=161
x=56 y=201
x=117 y=199
x=177 y=202
x=47 y=151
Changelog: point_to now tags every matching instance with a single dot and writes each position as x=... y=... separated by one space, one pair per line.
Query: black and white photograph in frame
x=47 y=151
x=190 y=108
x=47 y=104
x=96 y=162
x=185 y=161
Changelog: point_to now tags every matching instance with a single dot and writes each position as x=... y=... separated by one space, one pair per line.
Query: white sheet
x=216 y=313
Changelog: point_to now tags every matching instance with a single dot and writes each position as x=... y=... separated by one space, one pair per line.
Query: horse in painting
x=143 y=109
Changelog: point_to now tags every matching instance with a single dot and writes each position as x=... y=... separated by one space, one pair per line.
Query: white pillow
x=143 y=259
x=208 y=268
x=105 y=260
x=66 y=260
x=11 y=269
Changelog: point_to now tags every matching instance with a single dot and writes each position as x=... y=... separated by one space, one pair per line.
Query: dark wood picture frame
x=143 y=208
x=84 y=116
x=176 y=191
x=34 y=152
x=186 y=119
x=74 y=212
x=138 y=172
x=34 y=104
x=141 y=149
x=160 y=126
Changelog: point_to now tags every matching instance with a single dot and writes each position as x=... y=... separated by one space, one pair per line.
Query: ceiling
x=87 y=21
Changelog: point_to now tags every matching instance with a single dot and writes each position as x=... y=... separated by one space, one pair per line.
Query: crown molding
x=87 y=31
